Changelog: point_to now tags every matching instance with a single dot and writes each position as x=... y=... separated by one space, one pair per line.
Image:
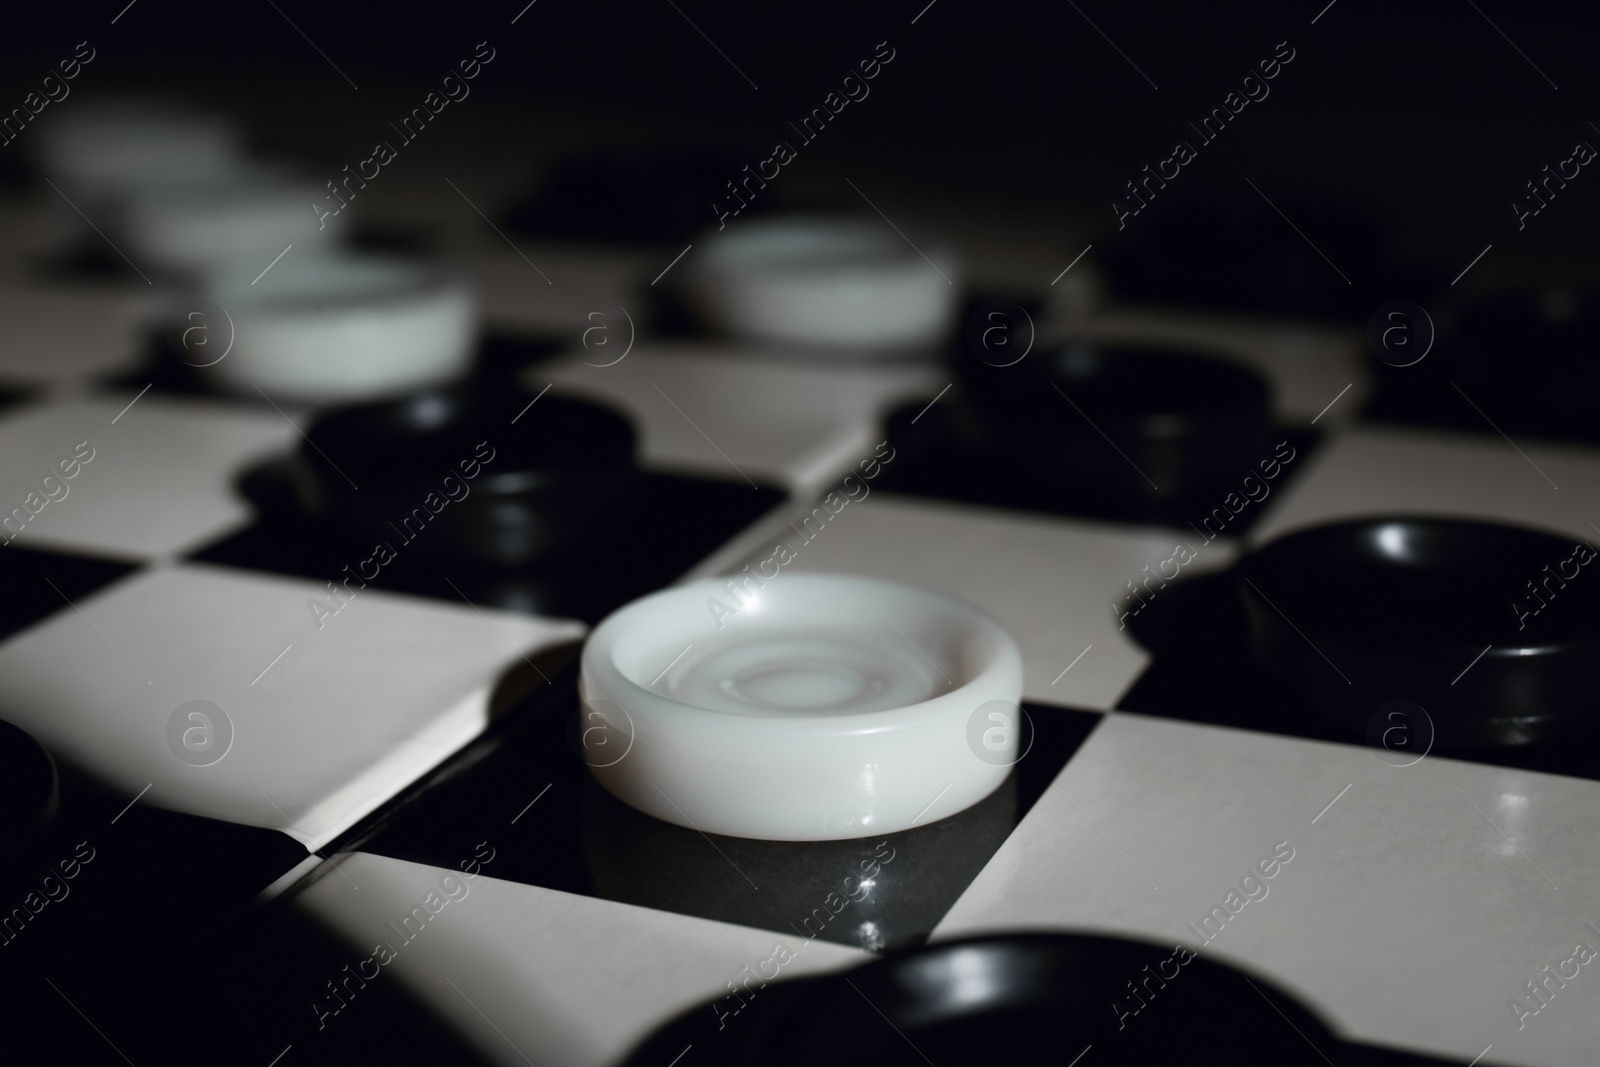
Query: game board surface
x=317 y=814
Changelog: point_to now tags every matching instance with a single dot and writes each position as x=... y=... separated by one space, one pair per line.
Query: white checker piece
x=327 y=724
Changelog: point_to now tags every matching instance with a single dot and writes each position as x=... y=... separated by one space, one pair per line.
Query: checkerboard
x=423 y=730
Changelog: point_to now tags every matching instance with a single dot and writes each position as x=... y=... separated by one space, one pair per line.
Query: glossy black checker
x=931 y=464
x=672 y=523
x=720 y=1036
x=573 y=836
x=1202 y=672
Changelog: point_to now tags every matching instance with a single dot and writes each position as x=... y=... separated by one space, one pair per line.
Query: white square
x=732 y=413
x=326 y=723
x=1375 y=472
x=1410 y=912
x=158 y=478
x=532 y=975
x=1050 y=581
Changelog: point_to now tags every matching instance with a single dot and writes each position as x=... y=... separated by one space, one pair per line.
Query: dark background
x=1421 y=116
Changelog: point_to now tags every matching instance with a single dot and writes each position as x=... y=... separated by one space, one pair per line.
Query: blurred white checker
x=722 y=409
x=160 y=480
x=1404 y=914
x=1369 y=471
x=327 y=723
x=531 y=975
x=1050 y=581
